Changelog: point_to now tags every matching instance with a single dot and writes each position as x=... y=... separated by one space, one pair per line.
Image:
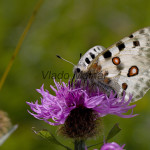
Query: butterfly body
x=124 y=66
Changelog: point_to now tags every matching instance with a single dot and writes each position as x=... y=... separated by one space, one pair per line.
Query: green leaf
x=94 y=145
x=49 y=137
x=113 y=132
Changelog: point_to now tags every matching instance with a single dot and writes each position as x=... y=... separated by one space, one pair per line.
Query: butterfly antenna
x=65 y=60
x=80 y=55
x=70 y=63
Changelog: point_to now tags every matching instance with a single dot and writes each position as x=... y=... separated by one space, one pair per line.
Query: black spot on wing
x=87 y=60
x=107 y=54
x=131 y=36
x=136 y=43
x=98 y=48
x=94 y=50
x=120 y=46
x=92 y=55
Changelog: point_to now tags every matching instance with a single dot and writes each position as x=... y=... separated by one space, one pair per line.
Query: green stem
x=17 y=49
x=79 y=145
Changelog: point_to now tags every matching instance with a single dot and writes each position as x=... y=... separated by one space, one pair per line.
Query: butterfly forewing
x=124 y=66
x=127 y=62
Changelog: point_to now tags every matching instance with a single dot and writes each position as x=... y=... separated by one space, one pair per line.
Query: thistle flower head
x=76 y=107
x=5 y=123
x=112 y=146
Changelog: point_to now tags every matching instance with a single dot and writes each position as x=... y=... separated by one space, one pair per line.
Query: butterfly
x=122 y=67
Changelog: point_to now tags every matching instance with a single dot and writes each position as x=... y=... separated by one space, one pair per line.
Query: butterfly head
x=78 y=70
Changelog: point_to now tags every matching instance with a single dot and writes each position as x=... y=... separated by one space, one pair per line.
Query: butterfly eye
x=78 y=70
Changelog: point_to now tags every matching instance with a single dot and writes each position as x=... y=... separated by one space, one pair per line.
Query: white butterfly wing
x=128 y=63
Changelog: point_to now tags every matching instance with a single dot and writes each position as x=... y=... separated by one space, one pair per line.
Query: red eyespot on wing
x=134 y=70
x=116 y=60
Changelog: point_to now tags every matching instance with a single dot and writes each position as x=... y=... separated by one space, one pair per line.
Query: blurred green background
x=67 y=28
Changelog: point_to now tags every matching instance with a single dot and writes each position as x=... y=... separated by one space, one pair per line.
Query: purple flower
x=55 y=109
x=112 y=146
